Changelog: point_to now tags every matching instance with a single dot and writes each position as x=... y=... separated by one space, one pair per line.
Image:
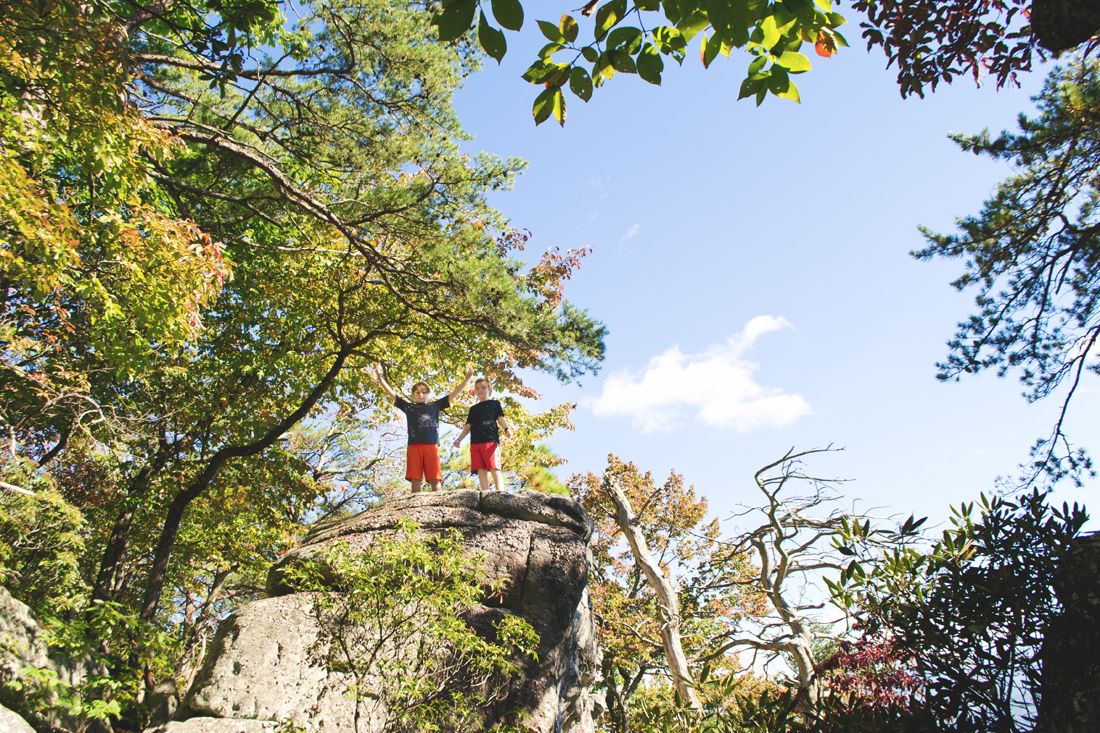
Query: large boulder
x=23 y=646
x=1070 y=701
x=11 y=722
x=263 y=665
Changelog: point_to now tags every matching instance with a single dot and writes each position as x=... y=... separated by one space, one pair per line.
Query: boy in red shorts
x=423 y=417
x=481 y=425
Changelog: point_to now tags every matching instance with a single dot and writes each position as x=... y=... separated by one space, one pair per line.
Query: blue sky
x=752 y=267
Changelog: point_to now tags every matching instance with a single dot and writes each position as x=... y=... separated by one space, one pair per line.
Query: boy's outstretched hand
x=381 y=379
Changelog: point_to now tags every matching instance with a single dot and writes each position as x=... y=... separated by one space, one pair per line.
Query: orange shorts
x=483 y=457
x=423 y=462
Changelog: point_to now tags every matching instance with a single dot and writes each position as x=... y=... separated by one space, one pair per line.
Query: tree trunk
x=667 y=596
x=159 y=570
x=106 y=585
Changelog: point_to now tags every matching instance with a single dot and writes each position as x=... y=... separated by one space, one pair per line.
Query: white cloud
x=717 y=385
x=631 y=233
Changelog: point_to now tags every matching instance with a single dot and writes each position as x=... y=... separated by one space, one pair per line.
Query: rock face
x=1070 y=700
x=260 y=668
x=23 y=645
x=12 y=723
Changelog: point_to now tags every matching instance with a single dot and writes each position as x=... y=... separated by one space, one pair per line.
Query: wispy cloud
x=717 y=385
x=631 y=233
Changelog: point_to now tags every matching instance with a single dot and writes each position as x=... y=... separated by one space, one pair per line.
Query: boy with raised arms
x=423 y=417
x=481 y=425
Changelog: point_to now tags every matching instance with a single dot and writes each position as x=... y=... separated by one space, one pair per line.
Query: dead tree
x=791 y=546
x=663 y=585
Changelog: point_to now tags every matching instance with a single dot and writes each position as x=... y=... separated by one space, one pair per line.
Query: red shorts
x=483 y=457
x=423 y=462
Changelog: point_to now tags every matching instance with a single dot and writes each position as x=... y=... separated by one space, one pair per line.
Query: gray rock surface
x=23 y=645
x=220 y=725
x=10 y=722
x=260 y=668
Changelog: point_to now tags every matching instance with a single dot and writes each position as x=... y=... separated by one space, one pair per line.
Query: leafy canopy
x=930 y=41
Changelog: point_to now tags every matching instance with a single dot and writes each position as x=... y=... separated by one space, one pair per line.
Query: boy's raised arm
x=458 y=390
x=378 y=377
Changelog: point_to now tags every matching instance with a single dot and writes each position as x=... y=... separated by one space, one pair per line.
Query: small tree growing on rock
x=391 y=623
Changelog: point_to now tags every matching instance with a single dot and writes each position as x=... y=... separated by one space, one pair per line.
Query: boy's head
x=482 y=389
x=420 y=392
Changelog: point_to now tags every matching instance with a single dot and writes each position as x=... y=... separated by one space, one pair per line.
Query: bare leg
x=483 y=477
x=498 y=479
x=416 y=485
x=434 y=484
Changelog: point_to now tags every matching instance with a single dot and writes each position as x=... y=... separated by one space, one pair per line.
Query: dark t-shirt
x=423 y=418
x=483 y=421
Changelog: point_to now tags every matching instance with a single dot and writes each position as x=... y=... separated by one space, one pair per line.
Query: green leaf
x=550 y=49
x=793 y=62
x=550 y=102
x=568 y=28
x=790 y=93
x=455 y=20
x=607 y=16
x=672 y=11
x=590 y=54
x=650 y=64
x=544 y=106
x=771 y=31
x=708 y=51
x=629 y=39
x=509 y=13
x=580 y=83
x=491 y=39
x=728 y=23
x=648 y=5
x=692 y=24
x=757 y=64
x=802 y=9
x=606 y=68
x=826 y=5
x=546 y=72
x=622 y=61
x=551 y=32
x=752 y=85
x=668 y=39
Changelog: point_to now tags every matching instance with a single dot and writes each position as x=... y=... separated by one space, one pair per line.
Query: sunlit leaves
x=773 y=31
x=708 y=50
x=568 y=28
x=550 y=102
x=608 y=16
x=794 y=63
